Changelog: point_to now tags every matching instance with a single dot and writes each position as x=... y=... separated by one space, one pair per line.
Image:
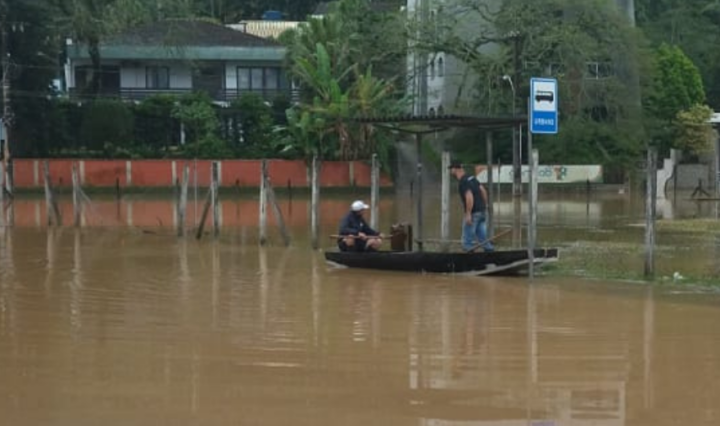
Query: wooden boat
x=504 y=262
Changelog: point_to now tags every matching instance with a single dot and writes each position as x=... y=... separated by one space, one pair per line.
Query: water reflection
x=271 y=336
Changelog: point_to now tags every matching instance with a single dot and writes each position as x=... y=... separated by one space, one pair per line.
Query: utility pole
x=517 y=160
x=5 y=66
x=8 y=117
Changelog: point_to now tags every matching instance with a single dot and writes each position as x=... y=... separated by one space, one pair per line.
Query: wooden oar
x=477 y=246
x=369 y=237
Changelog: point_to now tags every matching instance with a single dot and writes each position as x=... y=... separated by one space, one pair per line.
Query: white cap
x=359 y=205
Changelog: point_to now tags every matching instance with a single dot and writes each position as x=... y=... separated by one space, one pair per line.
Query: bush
x=155 y=127
x=197 y=113
x=209 y=148
x=106 y=121
x=256 y=124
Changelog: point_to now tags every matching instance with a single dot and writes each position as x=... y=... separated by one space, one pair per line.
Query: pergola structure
x=419 y=125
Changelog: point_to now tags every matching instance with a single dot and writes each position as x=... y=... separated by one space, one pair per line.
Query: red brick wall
x=163 y=173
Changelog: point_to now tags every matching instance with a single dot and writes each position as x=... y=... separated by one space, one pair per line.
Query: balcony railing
x=222 y=95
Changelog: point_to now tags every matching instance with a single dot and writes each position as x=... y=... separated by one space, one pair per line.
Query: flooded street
x=114 y=326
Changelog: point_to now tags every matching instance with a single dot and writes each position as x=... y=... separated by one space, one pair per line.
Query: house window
x=441 y=110
x=441 y=68
x=109 y=78
x=598 y=70
x=244 y=82
x=258 y=78
x=432 y=112
x=157 y=77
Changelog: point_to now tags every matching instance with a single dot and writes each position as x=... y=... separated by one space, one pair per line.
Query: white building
x=439 y=83
x=181 y=56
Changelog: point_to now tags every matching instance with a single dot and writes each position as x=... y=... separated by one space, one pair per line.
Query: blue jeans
x=476 y=230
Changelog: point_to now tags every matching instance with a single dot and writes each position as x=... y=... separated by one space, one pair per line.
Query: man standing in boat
x=474 y=201
x=357 y=234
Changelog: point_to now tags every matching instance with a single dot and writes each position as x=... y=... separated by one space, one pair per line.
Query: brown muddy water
x=110 y=325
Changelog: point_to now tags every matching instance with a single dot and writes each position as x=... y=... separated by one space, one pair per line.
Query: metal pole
x=445 y=201
x=531 y=195
x=418 y=144
x=5 y=61
x=374 y=192
x=650 y=213
x=532 y=228
x=489 y=155
x=517 y=172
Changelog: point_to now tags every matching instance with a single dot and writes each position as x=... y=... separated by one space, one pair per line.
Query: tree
x=333 y=65
x=693 y=26
x=694 y=132
x=31 y=64
x=677 y=84
x=586 y=44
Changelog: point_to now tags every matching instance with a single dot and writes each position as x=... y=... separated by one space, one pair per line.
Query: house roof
x=184 y=39
x=186 y=32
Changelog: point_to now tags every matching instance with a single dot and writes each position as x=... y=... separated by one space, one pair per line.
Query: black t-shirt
x=470 y=182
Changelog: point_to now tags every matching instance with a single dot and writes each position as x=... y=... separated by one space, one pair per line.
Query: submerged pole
x=216 y=198
x=276 y=211
x=77 y=202
x=315 y=202
x=51 y=204
x=445 y=202
x=650 y=213
x=263 y=202
x=182 y=201
x=490 y=196
x=374 y=192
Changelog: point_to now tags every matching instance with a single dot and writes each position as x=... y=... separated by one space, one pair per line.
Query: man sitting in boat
x=357 y=234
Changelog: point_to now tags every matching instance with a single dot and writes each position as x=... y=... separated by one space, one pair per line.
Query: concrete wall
x=689 y=175
x=164 y=173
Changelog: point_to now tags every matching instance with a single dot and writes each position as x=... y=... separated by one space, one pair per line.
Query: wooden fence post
x=276 y=211
x=314 y=203
x=216 y=198
x=52 y=208
x=77 y=201
x=182 y=201
x=263 y=202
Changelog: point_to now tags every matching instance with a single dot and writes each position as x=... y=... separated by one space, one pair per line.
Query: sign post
x=543 y=119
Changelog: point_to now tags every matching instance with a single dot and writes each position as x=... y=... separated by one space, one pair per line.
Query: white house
x=181 y=56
